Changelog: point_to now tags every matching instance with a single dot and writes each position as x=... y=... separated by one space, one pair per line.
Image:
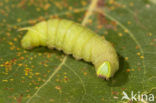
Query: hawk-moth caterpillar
x=74 y=39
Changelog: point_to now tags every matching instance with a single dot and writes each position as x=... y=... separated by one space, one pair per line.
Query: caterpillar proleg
x=73 y=38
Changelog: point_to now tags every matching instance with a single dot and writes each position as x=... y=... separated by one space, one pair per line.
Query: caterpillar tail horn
x=25 y=28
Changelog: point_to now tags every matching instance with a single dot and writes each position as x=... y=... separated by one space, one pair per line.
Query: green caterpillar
x=74 y=39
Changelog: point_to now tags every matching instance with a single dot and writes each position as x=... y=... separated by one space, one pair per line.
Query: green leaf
x=43 y=75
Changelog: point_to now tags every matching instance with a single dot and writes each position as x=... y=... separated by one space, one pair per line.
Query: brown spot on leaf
x=102 y=19
x=137 y=47
x=115 y=93
x=101 y=3
x=128 y=70
x=58 y=87
x=19 y=99
x=46 y=6
x=22 y=3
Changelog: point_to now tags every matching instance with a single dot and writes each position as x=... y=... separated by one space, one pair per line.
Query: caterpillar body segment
x=74 y=39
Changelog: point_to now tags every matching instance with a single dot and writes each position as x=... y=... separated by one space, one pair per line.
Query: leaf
x=42 y=75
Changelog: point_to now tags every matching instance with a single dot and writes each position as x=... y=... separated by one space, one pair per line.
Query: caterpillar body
x=74 y=39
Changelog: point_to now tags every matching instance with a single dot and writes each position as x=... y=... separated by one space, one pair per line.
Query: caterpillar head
x=35 y=36
x=107 y=69
x=105 y=60
x=104 y=71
